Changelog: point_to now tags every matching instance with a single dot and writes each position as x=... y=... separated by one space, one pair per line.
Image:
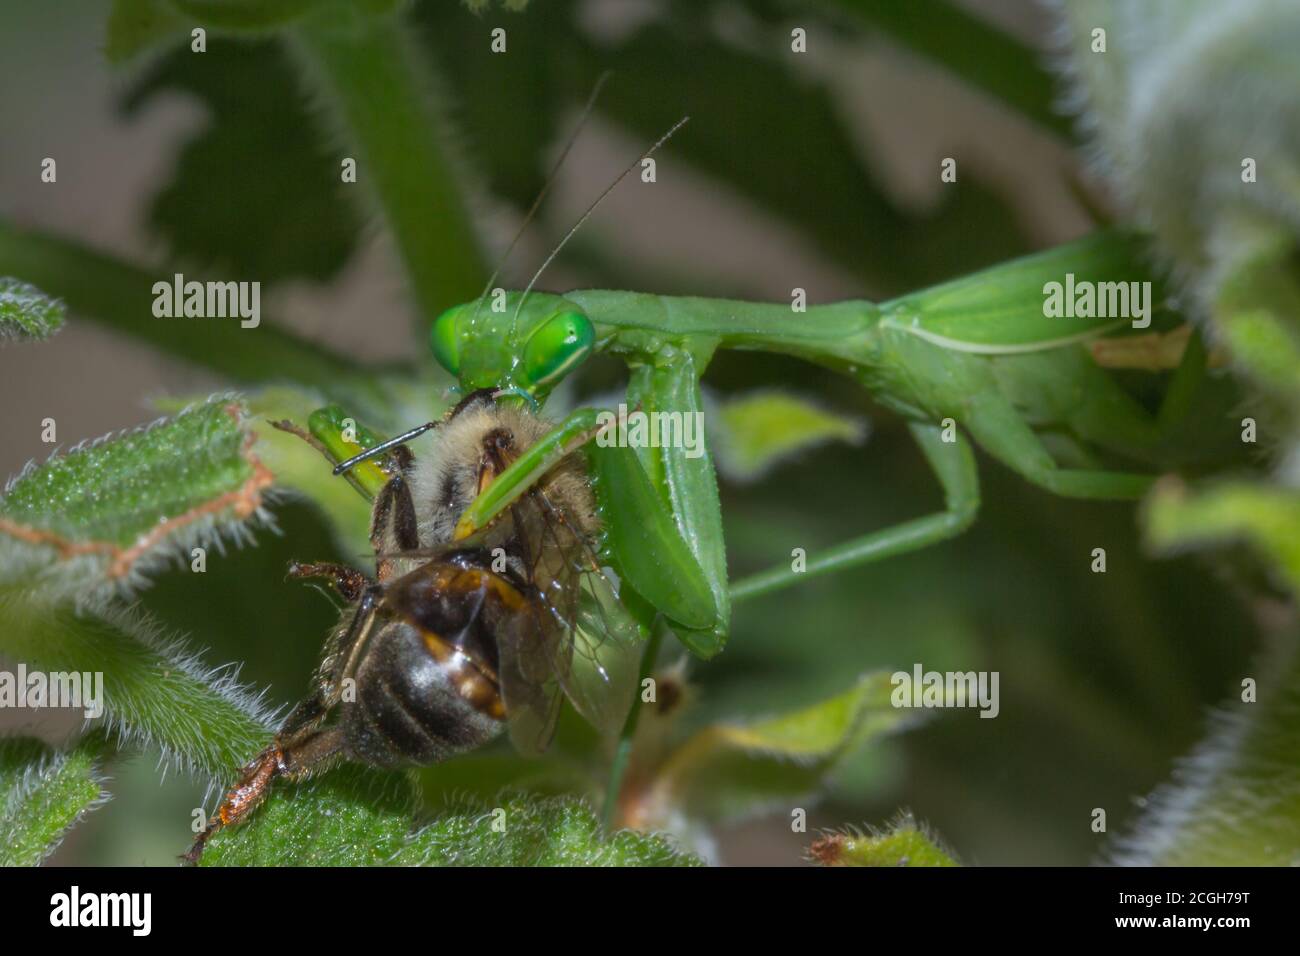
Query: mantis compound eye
x=444 y=340
x=557 y=347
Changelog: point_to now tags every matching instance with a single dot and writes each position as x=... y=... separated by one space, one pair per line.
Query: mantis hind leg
x=953 y=464
x=1109 y=417
x=1003 y=433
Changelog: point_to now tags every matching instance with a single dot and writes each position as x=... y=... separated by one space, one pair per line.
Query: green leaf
x=43 y=794
x=256 y=194
x=755 y=432
x=1181 y=168
x=138 y=25
x=26 y=313
x=904 y=843
x=728 y=771
x=358 y=817
x=1266 y=516
x=106 y=514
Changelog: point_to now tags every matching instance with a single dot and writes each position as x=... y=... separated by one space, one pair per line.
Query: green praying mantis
x=975 y=361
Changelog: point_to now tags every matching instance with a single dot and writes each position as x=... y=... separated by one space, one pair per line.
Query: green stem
x=623 y=752
x=375 y=81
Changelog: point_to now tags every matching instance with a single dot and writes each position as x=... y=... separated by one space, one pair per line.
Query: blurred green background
x=817 y=171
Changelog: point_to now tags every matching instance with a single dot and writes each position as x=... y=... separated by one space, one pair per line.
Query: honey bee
x=452 y=642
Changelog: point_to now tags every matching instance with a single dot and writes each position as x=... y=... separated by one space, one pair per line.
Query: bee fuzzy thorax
x=469 y=449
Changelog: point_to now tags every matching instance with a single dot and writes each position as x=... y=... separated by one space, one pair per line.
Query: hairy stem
x=623 y=752
x=375 y=82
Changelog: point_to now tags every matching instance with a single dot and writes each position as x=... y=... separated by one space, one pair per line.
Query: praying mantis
x=974 y=361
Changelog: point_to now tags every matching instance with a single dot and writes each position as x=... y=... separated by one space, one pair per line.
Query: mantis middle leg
x=953 y=463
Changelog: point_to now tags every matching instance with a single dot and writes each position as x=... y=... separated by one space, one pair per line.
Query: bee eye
x=444 y=340
x=558 y=346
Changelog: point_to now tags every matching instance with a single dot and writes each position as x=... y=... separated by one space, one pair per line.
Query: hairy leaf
x=1235 y=801
x=1190 y=109
x=904 y=843
x=357 y=817
x=107 y=513
x=26 y=313
x=43 y=794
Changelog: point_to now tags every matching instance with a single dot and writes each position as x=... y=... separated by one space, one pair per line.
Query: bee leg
x=240 y=799
x=337 y=663
x=394 y=508
x=294 y=759
x=300 y=745
x=349 y=582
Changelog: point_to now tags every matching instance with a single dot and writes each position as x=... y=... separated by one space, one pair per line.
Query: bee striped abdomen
x=408 y=709
x=428 y=687
x=471 y=678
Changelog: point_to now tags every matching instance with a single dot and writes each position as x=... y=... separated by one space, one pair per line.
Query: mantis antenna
x=551 y=177
x=590 y=209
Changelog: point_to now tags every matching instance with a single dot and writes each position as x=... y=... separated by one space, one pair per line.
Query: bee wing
x=527 y=645
x=606 y=656
x=596 y=661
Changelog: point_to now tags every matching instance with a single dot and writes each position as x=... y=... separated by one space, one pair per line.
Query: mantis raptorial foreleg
x=686 y=479
x=650 y=541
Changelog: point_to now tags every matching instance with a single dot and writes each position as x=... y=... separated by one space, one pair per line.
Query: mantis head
x=504 y=341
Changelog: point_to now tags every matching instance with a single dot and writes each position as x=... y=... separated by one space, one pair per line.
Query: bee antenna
x=592 y=208
x=551 y=177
